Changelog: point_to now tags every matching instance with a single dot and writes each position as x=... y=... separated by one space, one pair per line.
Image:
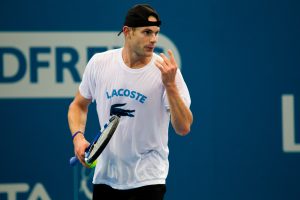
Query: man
x=146 y=90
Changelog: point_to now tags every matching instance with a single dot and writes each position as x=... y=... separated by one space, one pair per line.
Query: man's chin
x=148 y=53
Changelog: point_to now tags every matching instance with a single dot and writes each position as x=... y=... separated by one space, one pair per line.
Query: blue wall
x=238 y=59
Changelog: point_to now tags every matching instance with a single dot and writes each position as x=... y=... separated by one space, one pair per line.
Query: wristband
x=76 y=133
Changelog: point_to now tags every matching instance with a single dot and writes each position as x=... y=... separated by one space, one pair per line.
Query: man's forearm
x=77 y=117
x=181 y=116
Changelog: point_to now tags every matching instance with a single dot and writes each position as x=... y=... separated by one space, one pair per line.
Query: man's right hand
x=80 y=145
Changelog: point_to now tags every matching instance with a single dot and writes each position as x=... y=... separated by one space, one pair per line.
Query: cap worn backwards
x=138 y=16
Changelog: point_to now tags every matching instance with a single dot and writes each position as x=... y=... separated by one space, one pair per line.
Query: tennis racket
x=99 y=143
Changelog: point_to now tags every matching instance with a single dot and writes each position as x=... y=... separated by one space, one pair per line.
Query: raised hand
x=168 y=68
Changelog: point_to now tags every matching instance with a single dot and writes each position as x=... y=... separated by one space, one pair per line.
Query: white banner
x=50 y=64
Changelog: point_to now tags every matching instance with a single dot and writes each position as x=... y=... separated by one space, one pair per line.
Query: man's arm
x=77 y=117
x=181 y=116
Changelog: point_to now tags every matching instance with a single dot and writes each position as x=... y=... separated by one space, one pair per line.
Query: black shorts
x=149 y=192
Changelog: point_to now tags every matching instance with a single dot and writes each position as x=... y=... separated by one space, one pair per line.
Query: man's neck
x=132 y=60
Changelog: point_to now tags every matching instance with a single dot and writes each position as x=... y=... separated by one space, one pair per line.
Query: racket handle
x=73 y=161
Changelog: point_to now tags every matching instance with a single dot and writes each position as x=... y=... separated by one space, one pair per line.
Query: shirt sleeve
x=182 y=89
x=87 y=85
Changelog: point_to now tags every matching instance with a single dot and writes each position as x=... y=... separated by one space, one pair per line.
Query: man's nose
x=154 y=38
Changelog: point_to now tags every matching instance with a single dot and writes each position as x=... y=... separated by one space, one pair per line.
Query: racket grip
x=73 y=161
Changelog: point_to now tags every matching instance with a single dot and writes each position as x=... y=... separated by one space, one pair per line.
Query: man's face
x=142 y=40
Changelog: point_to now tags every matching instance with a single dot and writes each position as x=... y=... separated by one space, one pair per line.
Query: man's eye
x=148 y=32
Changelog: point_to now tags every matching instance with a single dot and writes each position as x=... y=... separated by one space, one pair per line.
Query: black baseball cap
x=138 y=16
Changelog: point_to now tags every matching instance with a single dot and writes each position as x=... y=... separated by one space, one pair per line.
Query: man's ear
x=126 y=30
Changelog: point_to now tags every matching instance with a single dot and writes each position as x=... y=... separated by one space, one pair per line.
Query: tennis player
x=148 y=91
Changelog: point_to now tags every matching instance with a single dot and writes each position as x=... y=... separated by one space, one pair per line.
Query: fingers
x=82 y=161
x=165 y=59
x=162 y=65
x=79 y=156
x=172 y=59
x=80 y=148
x=159 y=65
x=168 y=68
x=166 y=63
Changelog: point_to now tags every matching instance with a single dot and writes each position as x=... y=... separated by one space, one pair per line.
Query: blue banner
x=240 y=60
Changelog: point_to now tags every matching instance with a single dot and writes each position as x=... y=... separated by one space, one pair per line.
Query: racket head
x=99 y=145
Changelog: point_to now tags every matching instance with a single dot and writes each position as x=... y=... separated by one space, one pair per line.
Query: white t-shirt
x=137 y=154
